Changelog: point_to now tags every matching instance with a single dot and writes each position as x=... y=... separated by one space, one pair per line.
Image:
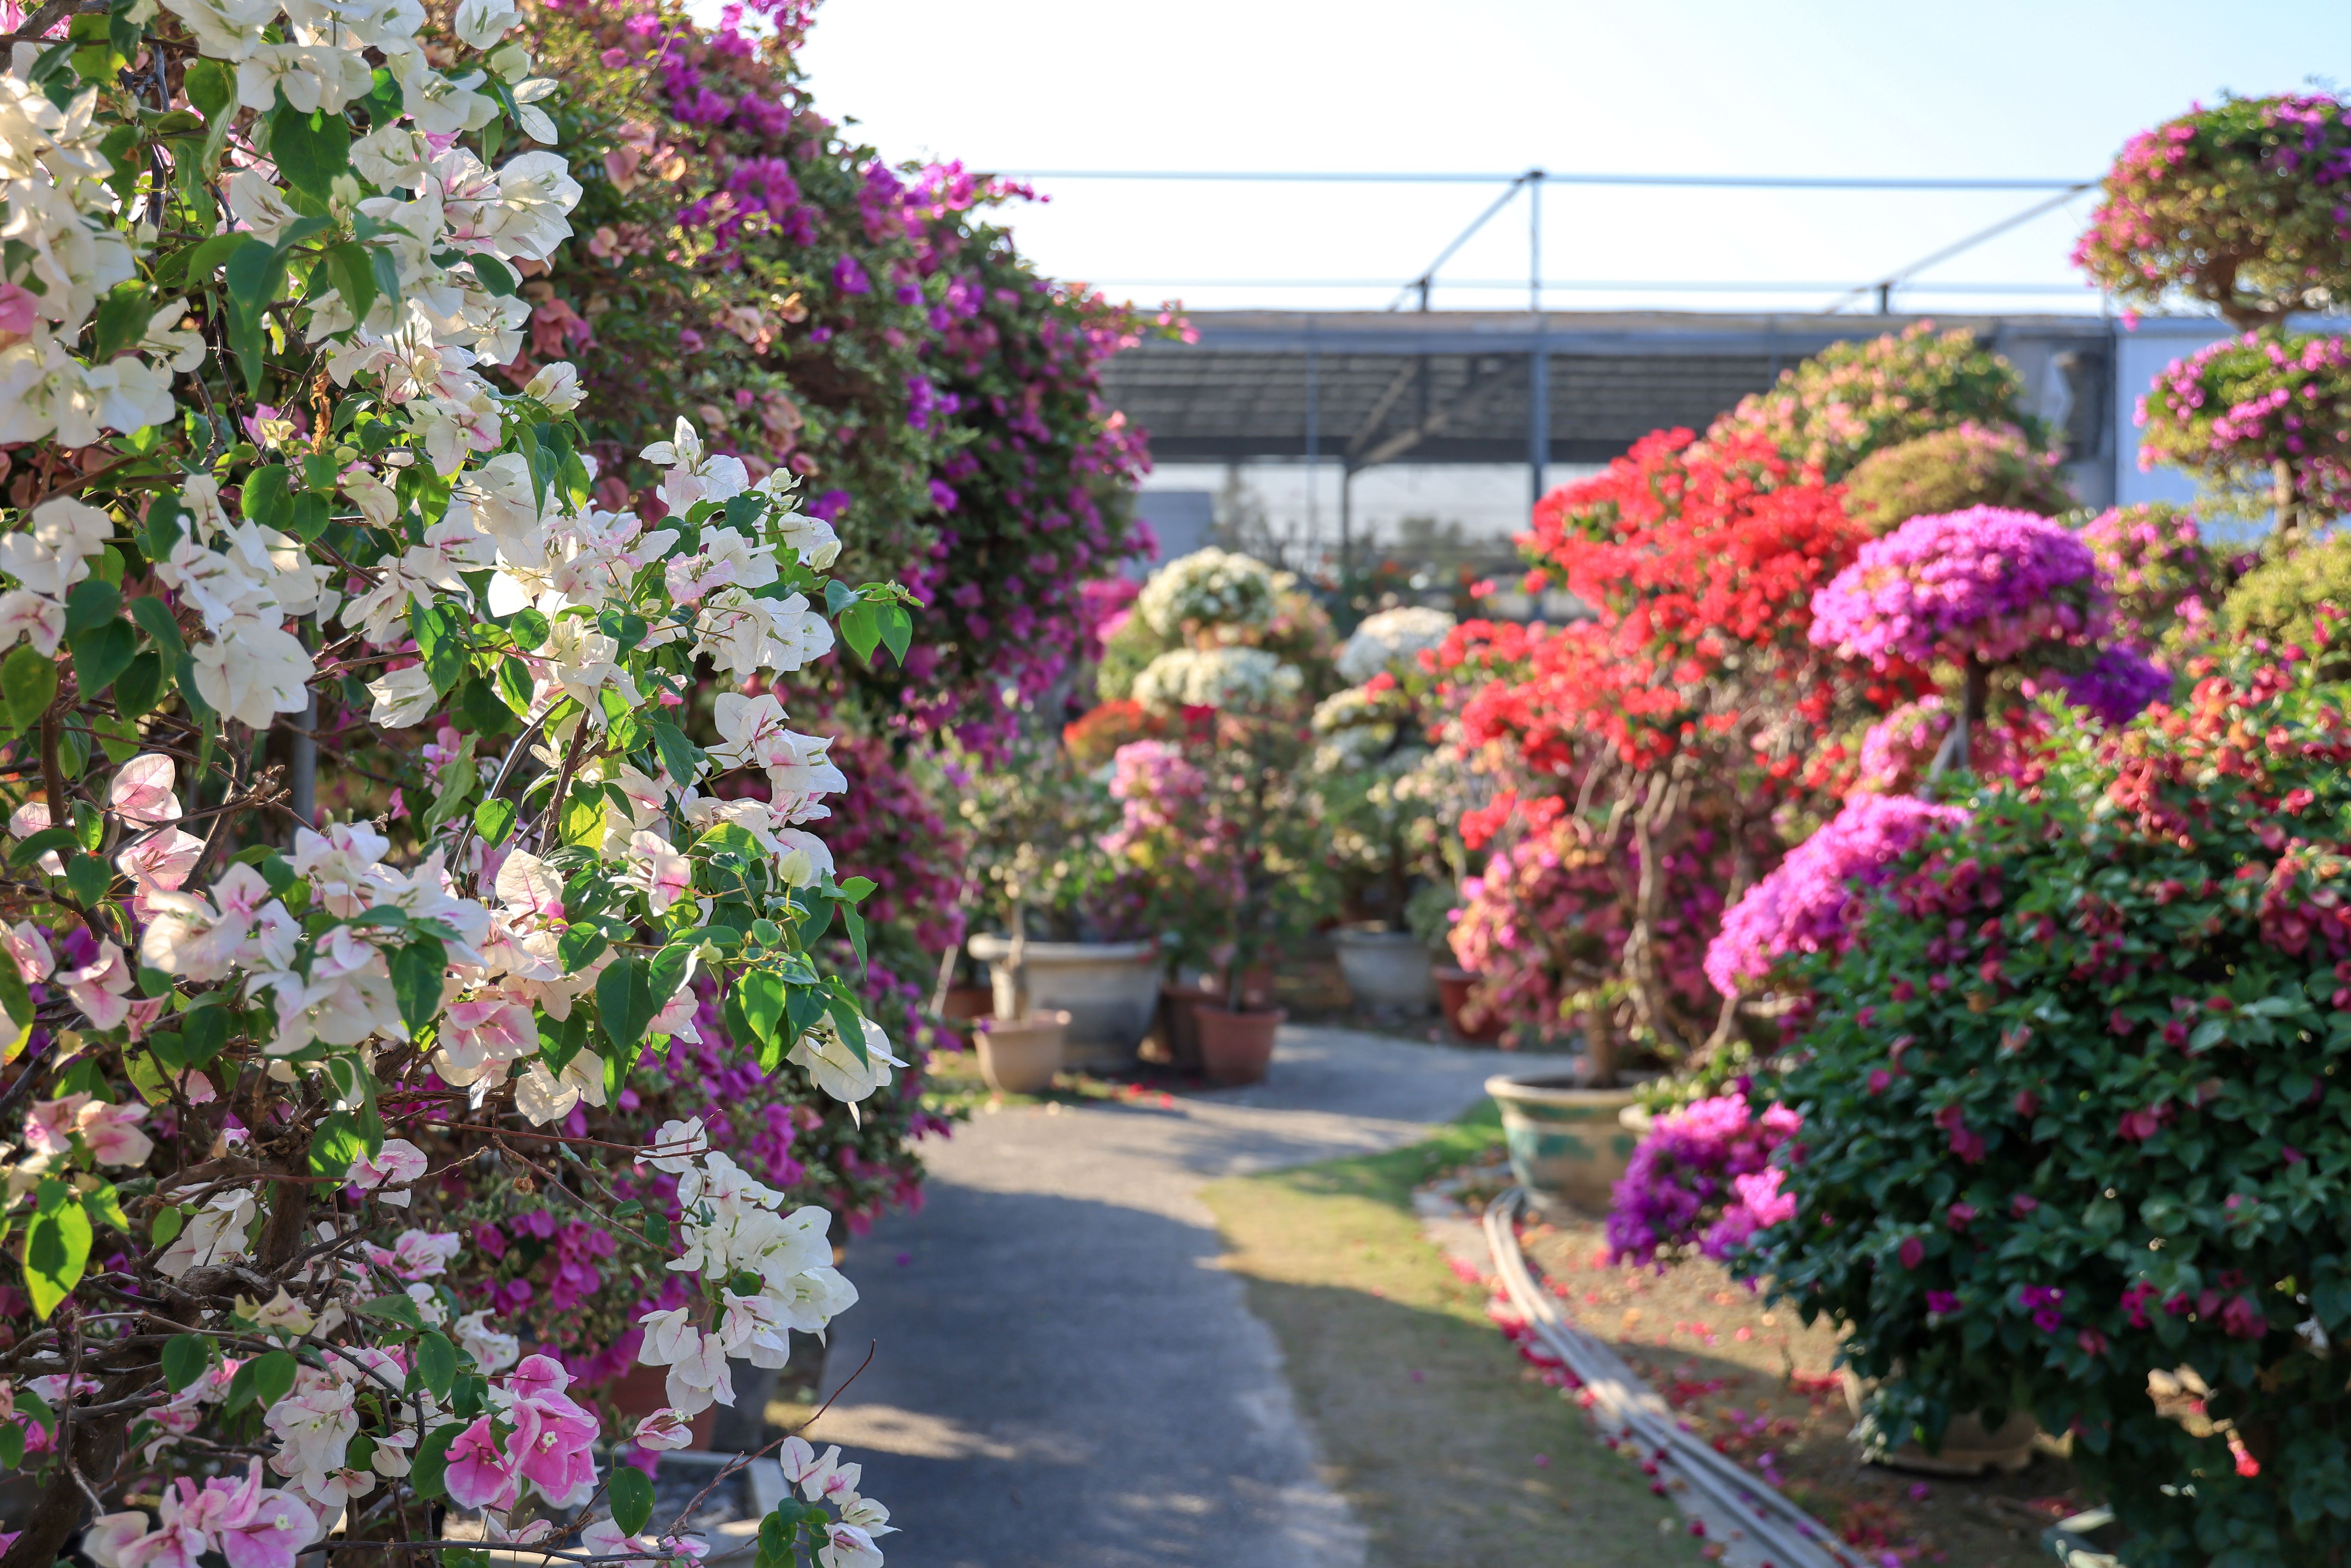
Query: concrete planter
x=1179 y=1020
x=1386 y=971
x=1110 y=989
x=1237 y=1047
x=1567 y=1144
x=1020 y=1056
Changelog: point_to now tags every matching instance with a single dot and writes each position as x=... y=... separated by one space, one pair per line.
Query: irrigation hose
x=1791 y=1537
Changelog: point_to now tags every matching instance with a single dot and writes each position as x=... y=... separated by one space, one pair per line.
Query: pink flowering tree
x=258 y=473
x=2240 y=207
x=2264 y=421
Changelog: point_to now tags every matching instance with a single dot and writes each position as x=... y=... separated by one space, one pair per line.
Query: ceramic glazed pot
x=1110 y=989
x=1180 y=1023
x=1020 y=1056
x=1386 y=971
x=1567 y=1145
x=1453 y=988
x=1235 y=1048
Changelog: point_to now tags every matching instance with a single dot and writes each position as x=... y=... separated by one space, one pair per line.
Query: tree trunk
x=94 y=1448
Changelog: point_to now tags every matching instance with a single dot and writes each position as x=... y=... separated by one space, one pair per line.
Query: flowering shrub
x=2116 y=686
x=2296 y=599
x=1392 y=639
x=1179 y=853
x=1229 y=678
x=2167 y=583
x=1809 y=902
x=1968 y=466
x=2073 y=1118
x=1178 y=609
x=1830 y=412
x=1213 y=593
x=260 y=472
x=2265 y=418
x=1691 y=719
x=1983 y=584
x=1702 y=1178
x=2240 y=206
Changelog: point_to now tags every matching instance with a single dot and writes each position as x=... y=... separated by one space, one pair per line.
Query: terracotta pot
x=1386 y=971
x=1567 y=1144
x=1020 y=1056
x=641 y=1390
x=1257 y=987
x=1453 y=989
x=1180 y=1023
x=1236 y=1047
x=1110 y=989
x=967 y=1002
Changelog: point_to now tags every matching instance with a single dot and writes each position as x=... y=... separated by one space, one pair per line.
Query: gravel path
x=1064 y=1376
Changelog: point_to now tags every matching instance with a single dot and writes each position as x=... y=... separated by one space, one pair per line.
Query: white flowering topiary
x=1239 y=679
x=1210 y=588
x=1390 y=639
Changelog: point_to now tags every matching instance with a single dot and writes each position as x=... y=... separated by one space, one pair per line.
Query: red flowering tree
x=1691 y=722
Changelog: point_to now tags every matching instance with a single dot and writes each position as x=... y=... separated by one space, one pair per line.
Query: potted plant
x=1036 y=851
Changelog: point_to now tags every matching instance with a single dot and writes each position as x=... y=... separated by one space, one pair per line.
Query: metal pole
x=1885 y=298
x=1537 y=355
x=1346 y=532
x=1313 y=433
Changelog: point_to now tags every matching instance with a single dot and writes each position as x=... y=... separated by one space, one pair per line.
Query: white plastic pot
x=1386 y=971
x=1110 y=989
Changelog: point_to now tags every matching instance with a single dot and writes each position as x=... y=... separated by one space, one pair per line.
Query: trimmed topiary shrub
x=1951 y=470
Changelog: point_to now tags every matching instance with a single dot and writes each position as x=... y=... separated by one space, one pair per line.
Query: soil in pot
x=1453 y=992
x=1235 y=1048
x=1020 y=1056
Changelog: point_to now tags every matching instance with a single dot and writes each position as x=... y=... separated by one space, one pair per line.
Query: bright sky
x=2024 y=89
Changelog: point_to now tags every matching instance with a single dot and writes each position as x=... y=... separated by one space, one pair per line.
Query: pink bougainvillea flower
x=480 y=1475
x=1912 y=1252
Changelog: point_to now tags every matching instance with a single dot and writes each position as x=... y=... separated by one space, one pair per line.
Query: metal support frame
x=1539 y=355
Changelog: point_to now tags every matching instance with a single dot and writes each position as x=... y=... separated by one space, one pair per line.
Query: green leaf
x=310 y=148
x=457 y=784
x=122 y=321
x=529 y=630
x=138 y=687
x=761 y=993
x=512 y=681
x=185 y=1358
x=92 y=602
x=803 y=1005
x=34 y=848
x=100 y=655
x=428 y=1471
x=155 y=619
x=353 y=271
x=336 y=1144
x=625 y=1004
x=838 y=597
x=11 y=1446
x=578 y=946
x=267 y=496
x=436 y=1361
x=494 y=273
x=417 y=971
x=28 y=680
x=856 y=888
x=57 y=1250
x=897 y=629
x=164 y=1228
x=494 y=819
x=273 y=1376
x=680 y=756
x=439 y=633
x=89 y=877
x=632 y=1497
x=860 y=628
x=255 y=275
x=391 y=1309
x=212 y=87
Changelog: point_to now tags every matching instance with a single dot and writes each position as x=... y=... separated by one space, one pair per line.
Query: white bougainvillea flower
x=675 y=1145
x=835 y=1067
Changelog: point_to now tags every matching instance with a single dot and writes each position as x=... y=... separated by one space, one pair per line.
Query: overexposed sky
x=1996 y=87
